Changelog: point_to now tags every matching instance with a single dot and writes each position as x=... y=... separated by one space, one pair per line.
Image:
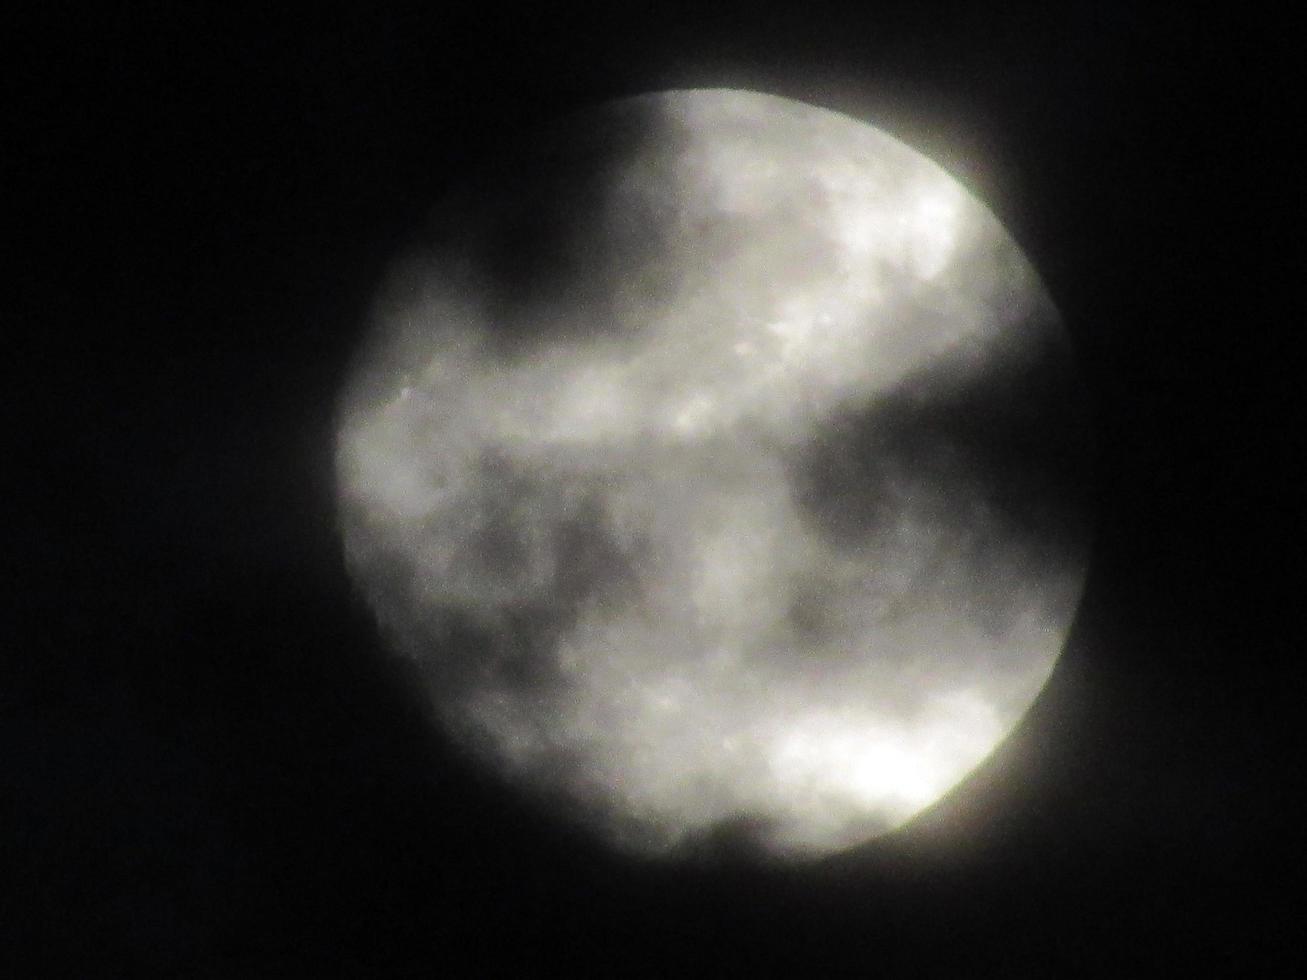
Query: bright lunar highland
x=718 y=462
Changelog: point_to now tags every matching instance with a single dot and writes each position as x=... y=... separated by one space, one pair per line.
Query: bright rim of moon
x=719 y=470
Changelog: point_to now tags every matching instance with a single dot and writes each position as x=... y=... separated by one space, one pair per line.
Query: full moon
x=718 y=462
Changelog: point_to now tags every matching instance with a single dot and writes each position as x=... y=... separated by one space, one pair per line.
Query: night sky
x=208 y=765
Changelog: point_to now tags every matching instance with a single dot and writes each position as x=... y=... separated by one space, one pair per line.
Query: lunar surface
x=718 y=460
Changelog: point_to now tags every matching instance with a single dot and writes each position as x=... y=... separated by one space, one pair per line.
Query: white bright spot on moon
x=679 y=559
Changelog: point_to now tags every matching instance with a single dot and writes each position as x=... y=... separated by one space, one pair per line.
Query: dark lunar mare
x=551 y=235
x=1010 y=435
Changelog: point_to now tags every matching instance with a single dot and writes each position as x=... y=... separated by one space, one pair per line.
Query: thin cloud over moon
x=720 y=465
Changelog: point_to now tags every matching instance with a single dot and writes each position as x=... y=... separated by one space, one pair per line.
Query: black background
x=206 y=766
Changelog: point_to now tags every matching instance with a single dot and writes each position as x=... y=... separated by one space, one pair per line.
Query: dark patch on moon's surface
x=555 y=232
x=995 y=453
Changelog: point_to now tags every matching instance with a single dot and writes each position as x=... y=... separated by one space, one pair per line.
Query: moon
x=719 y=463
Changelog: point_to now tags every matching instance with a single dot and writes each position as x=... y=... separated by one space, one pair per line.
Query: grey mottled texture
x=720 y=464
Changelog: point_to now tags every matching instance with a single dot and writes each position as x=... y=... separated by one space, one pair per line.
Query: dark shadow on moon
x=1000 y=454
x=553 y=232
x=587 y=231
